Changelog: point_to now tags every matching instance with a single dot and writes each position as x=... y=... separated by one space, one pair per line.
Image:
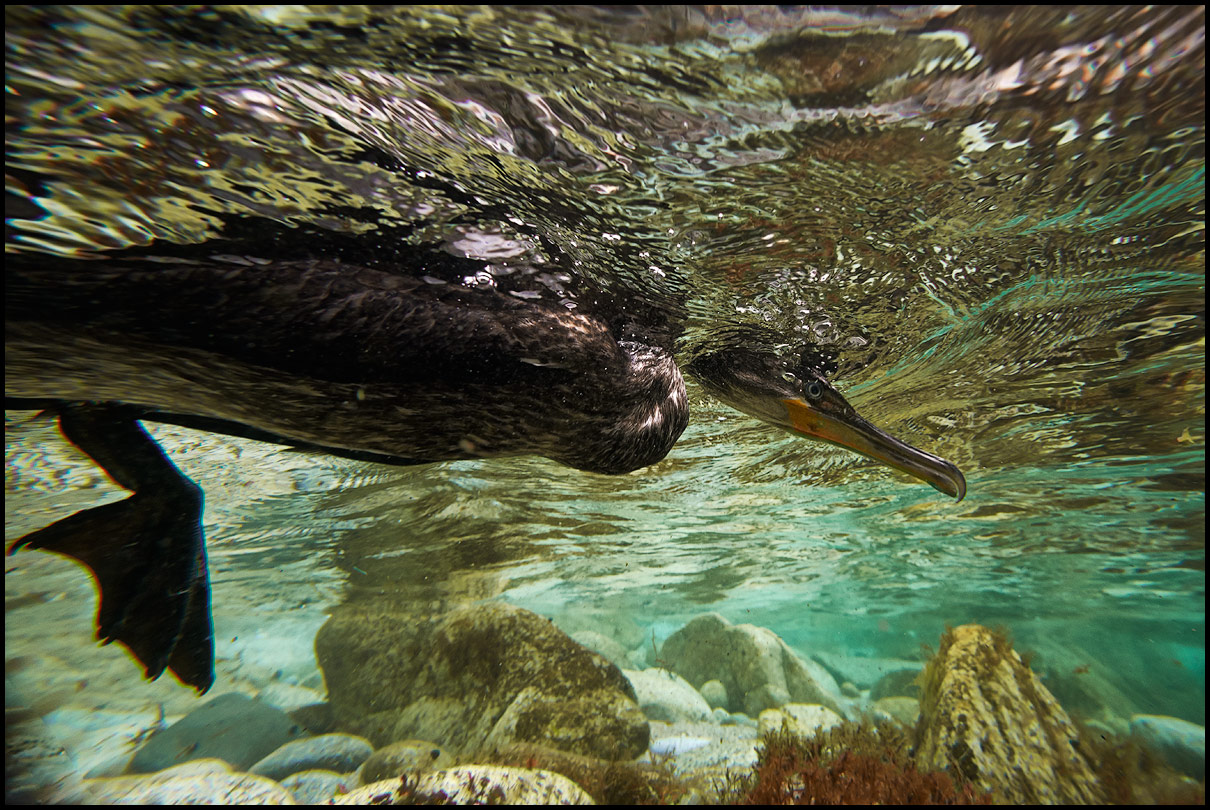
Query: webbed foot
x=147 y=552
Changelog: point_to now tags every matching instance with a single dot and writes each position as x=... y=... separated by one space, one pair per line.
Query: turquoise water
x=996 y=217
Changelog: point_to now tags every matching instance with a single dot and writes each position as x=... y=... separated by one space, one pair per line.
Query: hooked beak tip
x=957 y=482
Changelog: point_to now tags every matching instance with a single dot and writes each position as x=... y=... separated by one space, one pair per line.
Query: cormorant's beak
x=850 y=431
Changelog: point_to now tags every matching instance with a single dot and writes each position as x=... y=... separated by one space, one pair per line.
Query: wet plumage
x=351 y=359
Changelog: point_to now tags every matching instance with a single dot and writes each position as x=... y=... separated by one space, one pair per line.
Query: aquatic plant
x=852 y=763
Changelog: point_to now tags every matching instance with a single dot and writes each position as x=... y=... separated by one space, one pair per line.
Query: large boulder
x=757 y=669
x=984 y=712
x=478 y=677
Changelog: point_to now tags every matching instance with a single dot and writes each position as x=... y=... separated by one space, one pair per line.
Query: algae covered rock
x=756 y=668
x=985 y=713
x=472 y=784
x=476 y=677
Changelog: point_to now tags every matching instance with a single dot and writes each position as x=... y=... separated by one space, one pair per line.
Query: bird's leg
x=147 y=552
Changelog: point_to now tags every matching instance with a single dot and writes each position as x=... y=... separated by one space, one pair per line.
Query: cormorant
x=352 y=360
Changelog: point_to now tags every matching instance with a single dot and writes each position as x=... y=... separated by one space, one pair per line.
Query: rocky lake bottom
x=492 y=702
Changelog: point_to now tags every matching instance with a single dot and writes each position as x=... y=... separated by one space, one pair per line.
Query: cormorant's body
x=353 y=360
x=346 y=358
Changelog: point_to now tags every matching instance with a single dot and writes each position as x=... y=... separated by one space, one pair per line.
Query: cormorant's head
x=741 y=368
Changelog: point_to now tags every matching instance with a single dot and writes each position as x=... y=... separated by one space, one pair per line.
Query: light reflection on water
x=1001 y=230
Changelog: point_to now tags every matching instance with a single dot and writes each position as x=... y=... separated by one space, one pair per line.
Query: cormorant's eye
x=814 y=390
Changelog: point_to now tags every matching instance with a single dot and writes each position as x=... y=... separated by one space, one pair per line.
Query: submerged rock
x=666 y=696
x=903 y=710
x=477 y=677
x=863 y=671
x=341 y=753
x=608 y=782
x=207 y=781
x=715 y=694
x=317 y=787
x=897 y=683
x=723 y=717
x=805 y=720
x=757 y=669
x=705 y=750
x=984 y=712
x=472 y=784
x=316 y=718
x=401 y=758
x=289 y=696
x=1180 y=743
x=606 y=646
x=232 y=727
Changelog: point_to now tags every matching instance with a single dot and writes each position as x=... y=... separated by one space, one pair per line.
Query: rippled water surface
x=994 y=216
